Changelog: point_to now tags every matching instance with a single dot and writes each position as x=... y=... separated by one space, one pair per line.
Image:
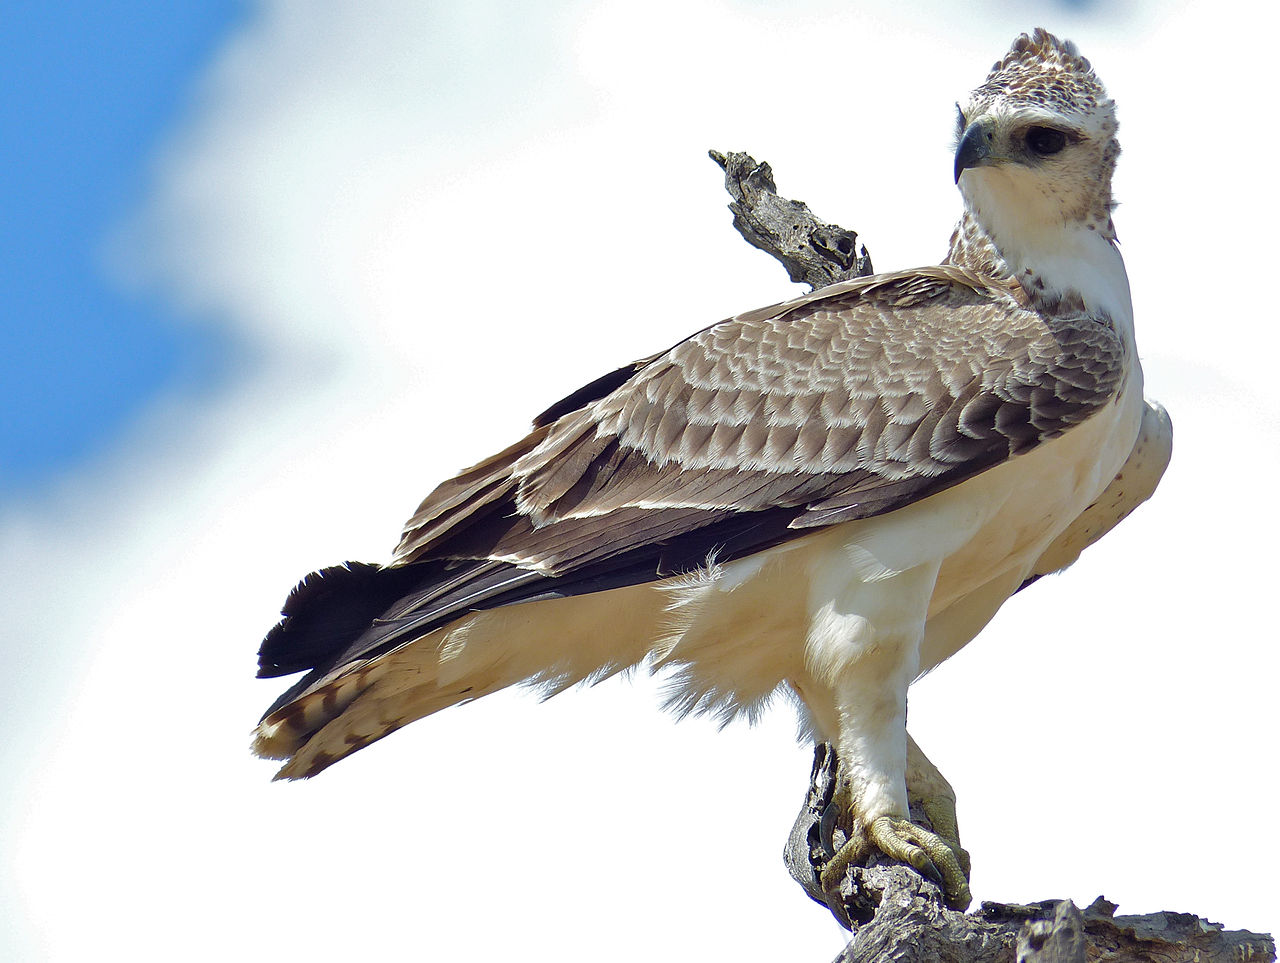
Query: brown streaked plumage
x=841 y=404
x=830 y=495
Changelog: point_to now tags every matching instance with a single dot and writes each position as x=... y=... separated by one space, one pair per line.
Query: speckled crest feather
x=1041 y=70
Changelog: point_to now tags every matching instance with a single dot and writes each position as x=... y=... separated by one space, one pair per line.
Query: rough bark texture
x=894 y=913
x=911 y=924
x=813 y=252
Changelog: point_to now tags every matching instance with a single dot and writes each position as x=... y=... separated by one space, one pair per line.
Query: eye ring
x=1045 y=141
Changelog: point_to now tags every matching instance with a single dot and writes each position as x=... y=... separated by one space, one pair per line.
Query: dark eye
x=1045 y=141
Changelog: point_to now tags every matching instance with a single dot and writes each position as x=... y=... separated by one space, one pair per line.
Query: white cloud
x=395 y=204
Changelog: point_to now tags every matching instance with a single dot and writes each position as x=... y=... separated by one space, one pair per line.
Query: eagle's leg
x=863 y=650
x=884 y=779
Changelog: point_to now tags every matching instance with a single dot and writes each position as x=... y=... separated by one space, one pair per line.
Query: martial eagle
x=829 y=496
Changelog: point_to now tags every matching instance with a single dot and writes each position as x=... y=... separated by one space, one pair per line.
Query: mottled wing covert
x=847 y=403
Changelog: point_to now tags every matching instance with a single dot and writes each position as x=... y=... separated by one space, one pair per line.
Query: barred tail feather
x=327 y=725
x=552 y=643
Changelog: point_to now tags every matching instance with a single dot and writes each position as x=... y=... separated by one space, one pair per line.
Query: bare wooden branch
x=813 y=252
x=894 y=913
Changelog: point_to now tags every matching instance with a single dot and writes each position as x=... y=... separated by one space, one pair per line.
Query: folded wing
x=850 y=402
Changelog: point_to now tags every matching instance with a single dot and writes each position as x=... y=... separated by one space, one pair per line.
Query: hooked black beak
x=974 y=148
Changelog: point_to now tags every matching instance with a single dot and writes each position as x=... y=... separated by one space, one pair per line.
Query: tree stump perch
x=893 y=912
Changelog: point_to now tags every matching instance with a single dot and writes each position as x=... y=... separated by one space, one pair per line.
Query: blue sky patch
x=87 y=92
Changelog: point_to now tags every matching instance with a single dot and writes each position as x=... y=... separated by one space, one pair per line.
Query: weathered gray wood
x=1059 y=940
x=894 y=913
x=912 y=924
x=813 y=252
x=804 y=845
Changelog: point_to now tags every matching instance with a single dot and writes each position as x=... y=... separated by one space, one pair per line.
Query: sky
x=88 y=97
x=265 y=265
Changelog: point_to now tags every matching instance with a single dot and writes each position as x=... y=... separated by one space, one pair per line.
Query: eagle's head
x=1036 y=143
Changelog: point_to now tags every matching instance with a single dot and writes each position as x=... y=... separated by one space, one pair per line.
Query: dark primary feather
x=326 y=610
x=592 y=391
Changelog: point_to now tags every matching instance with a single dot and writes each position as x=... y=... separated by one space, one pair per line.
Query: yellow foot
x=940 y=811
x=931 y=854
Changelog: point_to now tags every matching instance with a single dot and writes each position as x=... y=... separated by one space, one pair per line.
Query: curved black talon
x=930 y=871
x=827 y=828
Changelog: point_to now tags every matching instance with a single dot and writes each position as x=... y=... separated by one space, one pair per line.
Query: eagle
x=825 y=497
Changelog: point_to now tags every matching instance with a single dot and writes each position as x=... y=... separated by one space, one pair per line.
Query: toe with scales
x=932 y=854
x=928 y=839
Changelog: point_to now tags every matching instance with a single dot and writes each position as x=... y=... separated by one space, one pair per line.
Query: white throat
x=1052 y=257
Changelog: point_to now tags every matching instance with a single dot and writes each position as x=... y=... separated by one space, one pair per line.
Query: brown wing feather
x=845 y=403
